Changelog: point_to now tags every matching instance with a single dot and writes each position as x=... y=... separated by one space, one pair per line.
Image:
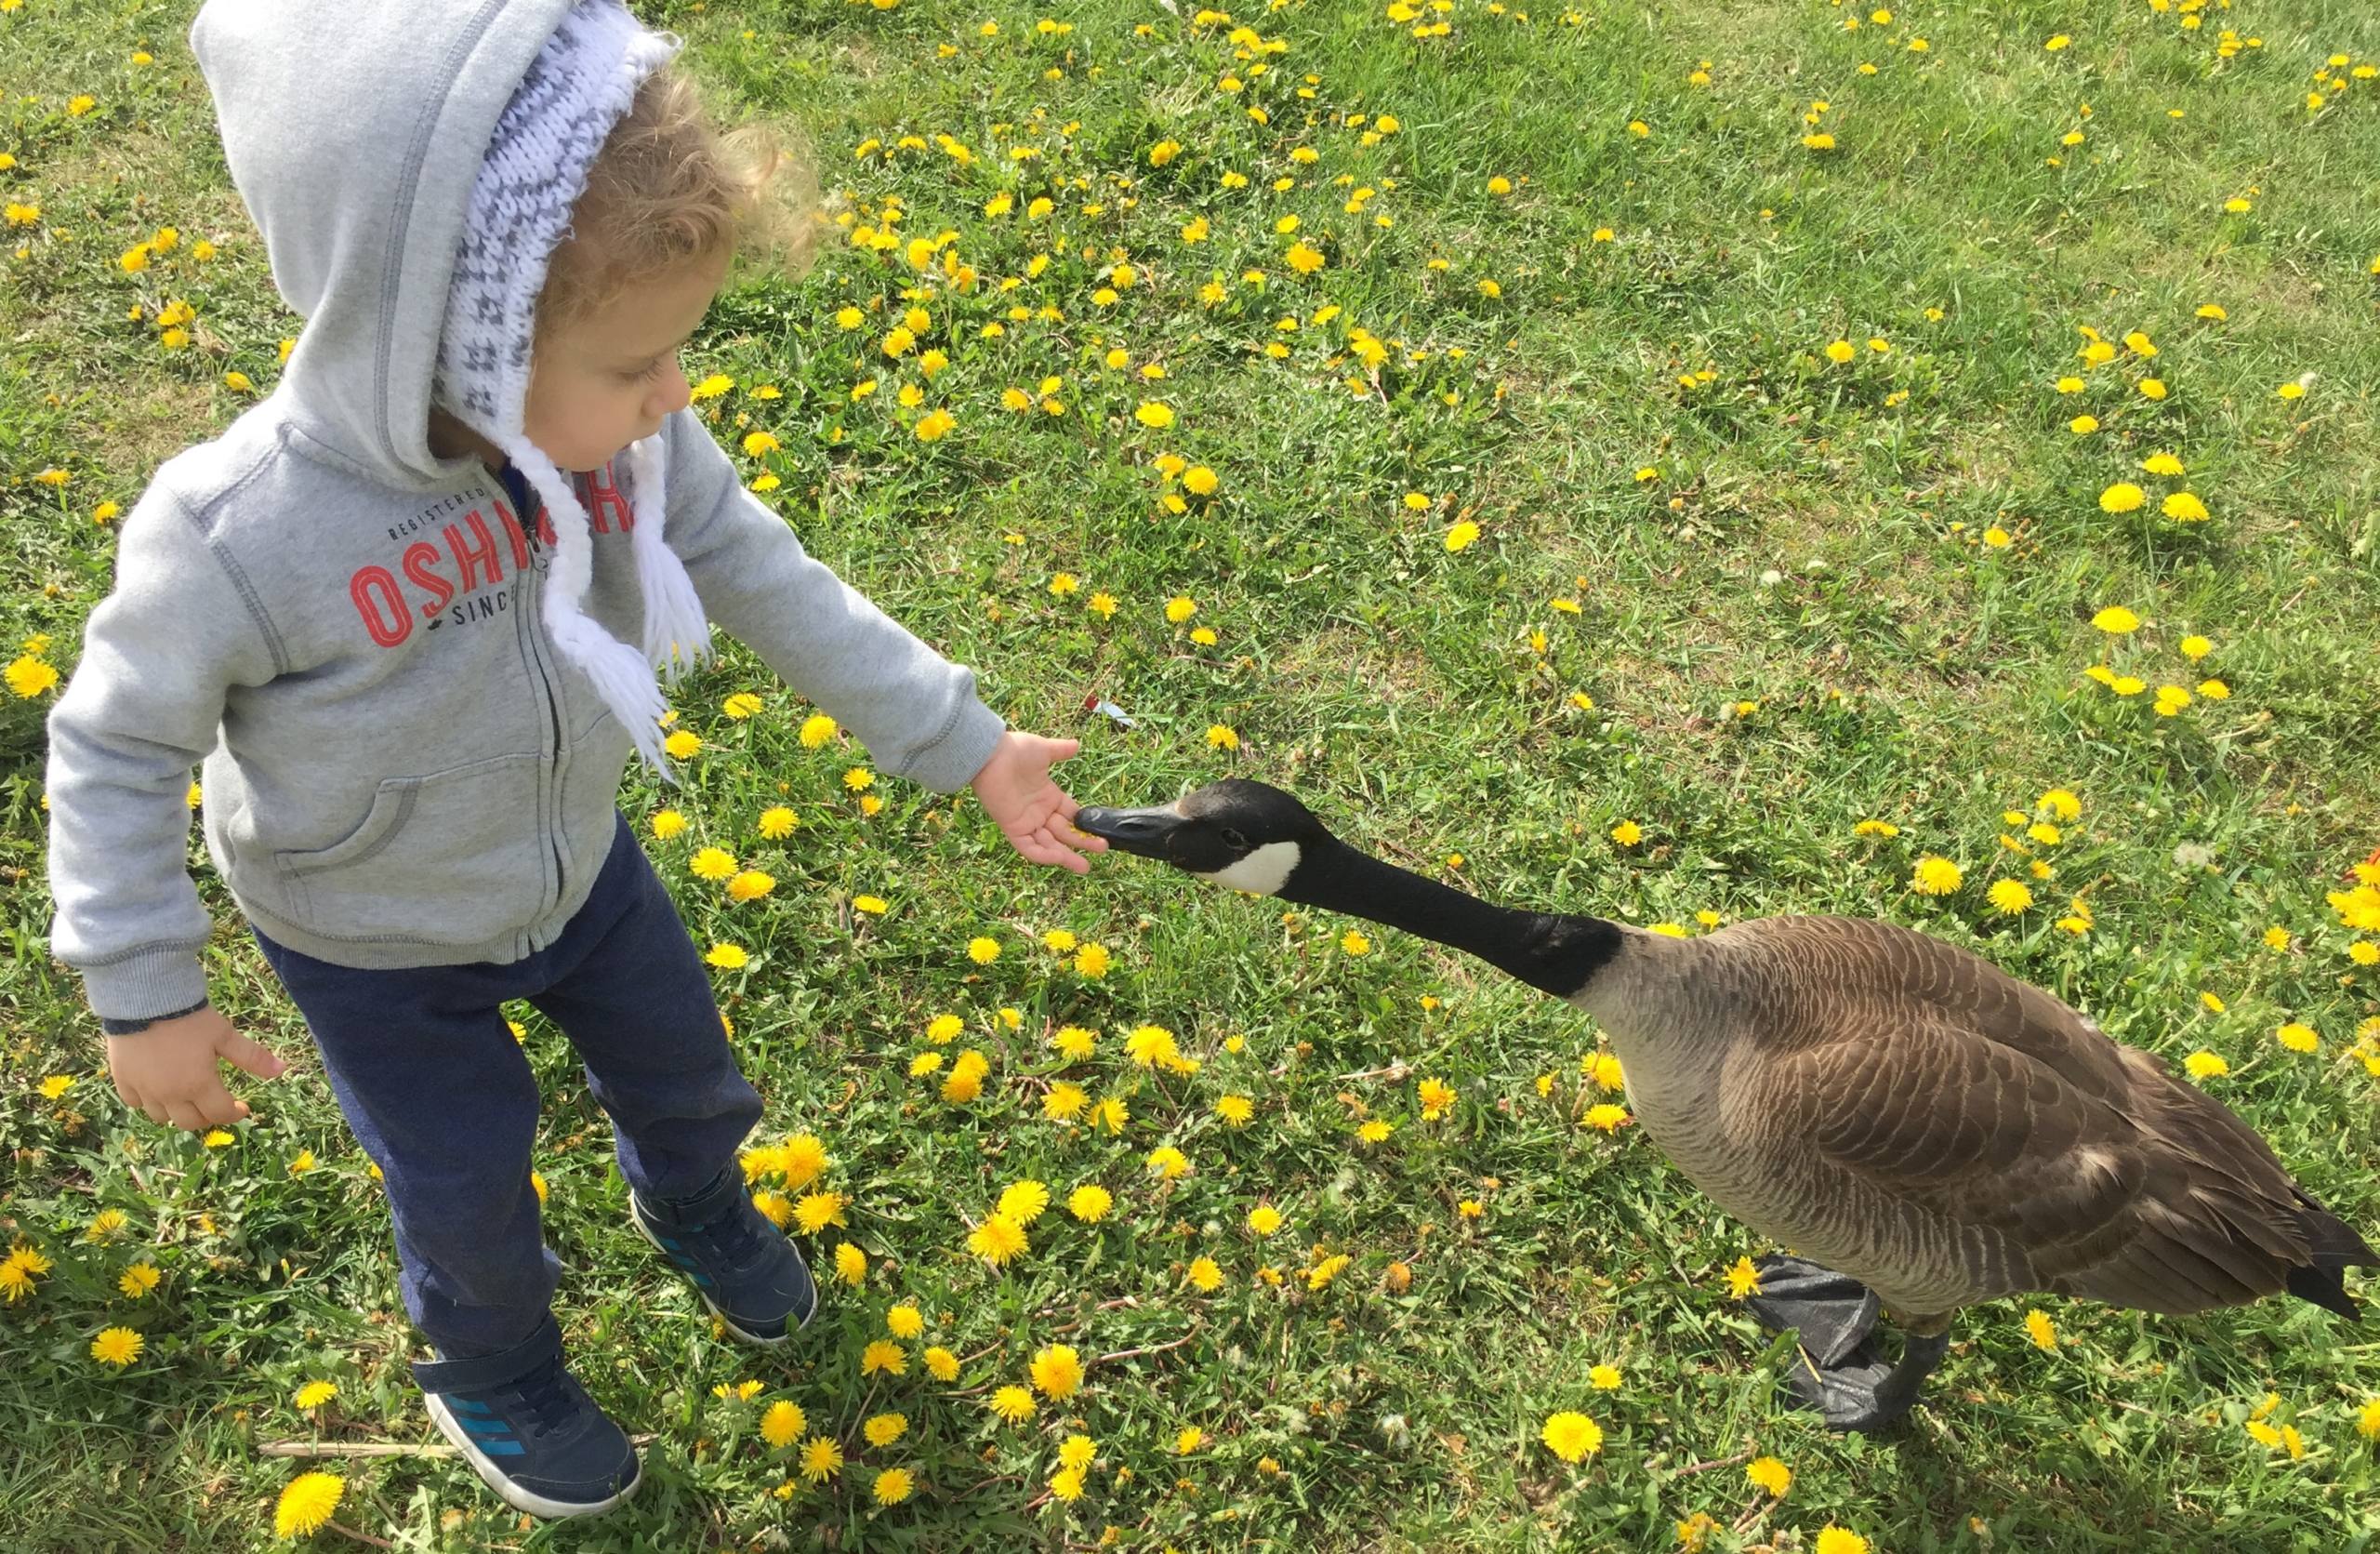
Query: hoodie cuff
x=147 y=986
x=951 y=761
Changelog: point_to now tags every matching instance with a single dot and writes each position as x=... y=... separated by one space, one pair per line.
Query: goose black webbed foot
x=1863 y=1393
x=1830 y=1312
x=1840 y=1371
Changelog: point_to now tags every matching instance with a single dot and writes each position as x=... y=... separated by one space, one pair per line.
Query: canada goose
x=1929 y=1130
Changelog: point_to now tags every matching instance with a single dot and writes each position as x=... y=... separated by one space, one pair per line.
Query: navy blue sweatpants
x=441 y=1095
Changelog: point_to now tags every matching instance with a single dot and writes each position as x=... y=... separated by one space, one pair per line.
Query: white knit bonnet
x=576 y=88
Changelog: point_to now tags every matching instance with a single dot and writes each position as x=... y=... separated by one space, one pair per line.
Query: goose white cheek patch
x=1261 y=872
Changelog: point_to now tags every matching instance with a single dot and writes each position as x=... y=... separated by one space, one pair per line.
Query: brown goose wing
x=2062 y=1158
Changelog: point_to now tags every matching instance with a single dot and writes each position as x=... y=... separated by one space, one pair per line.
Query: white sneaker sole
x=513 y=1494
x=724 y=1319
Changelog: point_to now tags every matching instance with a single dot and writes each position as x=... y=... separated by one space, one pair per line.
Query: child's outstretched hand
x=1015 y=789
x=172 y=1071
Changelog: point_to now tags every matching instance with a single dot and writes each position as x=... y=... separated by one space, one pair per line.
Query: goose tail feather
x=2335 y=1246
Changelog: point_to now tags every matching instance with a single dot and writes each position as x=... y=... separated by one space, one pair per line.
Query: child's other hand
x=1015 y=789
x=169 y=1072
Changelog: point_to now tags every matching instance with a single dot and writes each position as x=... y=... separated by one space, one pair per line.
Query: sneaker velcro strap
x=478 y=1373
x=713 y=1201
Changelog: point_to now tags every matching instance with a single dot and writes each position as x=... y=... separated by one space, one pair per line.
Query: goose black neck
x=1555 y=953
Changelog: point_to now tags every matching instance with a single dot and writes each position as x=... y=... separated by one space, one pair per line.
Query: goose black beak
x=1134 y=830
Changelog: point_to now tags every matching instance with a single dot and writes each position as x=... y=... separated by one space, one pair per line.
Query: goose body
x=1922 y=1129
x=1904 y=1112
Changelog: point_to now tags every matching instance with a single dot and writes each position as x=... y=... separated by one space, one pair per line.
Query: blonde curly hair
x=670 y=187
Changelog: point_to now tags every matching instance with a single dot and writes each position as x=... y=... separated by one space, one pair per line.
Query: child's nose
x=673 y=394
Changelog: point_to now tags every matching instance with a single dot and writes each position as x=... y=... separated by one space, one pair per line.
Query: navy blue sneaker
x=747 y=1273
x=524 y=1422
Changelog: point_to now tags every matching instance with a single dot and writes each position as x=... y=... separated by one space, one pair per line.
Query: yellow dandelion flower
x=306 y=1503
x=1936 y=876
x=1022 y=1201
x=818 y=1209
x=1572 y=1436
x=821 y=1459
x=118 y=1347
x=1058 y=1372
x=782 y=1423
x=997 y=1241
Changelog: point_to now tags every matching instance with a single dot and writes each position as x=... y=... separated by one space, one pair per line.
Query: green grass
x=1810 y=542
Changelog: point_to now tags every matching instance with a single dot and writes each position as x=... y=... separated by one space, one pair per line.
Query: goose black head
x=1247 y=835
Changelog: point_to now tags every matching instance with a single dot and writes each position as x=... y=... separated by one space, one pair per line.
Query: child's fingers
x=253 y=1056
x=1039 y=846
x=219 y=1108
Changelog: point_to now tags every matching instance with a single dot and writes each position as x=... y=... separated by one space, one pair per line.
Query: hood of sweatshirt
x=354 y=140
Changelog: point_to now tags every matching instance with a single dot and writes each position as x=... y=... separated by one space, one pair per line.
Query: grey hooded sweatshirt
x=399 y=767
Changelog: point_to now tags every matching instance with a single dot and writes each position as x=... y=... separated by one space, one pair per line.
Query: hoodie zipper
x=531 y=622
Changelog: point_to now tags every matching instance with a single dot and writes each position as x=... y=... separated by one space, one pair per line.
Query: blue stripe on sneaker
x=464 y=1405
x=502 y=1448
x=485 y=1427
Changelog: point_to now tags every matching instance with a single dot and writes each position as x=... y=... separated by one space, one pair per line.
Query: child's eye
x=650 y=372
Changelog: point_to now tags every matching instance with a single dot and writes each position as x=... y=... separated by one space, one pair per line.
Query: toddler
x=409 y=610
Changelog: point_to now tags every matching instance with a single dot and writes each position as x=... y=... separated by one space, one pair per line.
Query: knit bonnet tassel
x=677 y=633
x=581 y=82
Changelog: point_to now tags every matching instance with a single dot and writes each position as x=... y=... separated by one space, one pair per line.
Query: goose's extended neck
x=1559 y=954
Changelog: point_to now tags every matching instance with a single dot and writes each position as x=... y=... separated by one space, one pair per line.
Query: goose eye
x=1233 y=837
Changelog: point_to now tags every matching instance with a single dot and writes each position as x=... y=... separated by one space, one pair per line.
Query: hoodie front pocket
x=454 y=857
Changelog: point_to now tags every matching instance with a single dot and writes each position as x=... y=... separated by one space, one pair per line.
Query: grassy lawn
x=1549 y=550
